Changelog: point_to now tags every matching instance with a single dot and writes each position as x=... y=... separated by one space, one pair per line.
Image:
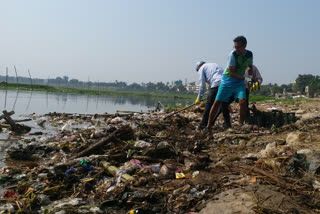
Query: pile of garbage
x=143 y=163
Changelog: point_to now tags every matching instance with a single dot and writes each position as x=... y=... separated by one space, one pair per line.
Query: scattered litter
x=133 y=162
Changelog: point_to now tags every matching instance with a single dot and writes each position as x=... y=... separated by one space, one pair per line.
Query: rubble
x=158 y=162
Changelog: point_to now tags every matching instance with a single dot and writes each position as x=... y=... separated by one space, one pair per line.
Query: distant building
x=310 y=94
x=288 y=95
x=192 y=87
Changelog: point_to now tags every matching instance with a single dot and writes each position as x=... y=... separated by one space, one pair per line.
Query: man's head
x=240 y=44
x=198 y=65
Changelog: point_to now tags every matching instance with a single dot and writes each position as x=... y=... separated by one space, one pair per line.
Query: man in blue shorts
x=232 y=83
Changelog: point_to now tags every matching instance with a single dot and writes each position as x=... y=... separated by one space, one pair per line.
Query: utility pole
x=30 y=80
x=5 y=99
x=6 y=77
x=15 y=70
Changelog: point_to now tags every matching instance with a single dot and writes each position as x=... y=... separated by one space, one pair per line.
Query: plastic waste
x=41 y=121
x=137 y=163
x=116 y=171
x=142 y=144
x=7 y=208
x=155 y=168
x=299 y=161
x=195 y=193
x=20 y=177
x=117 y=120
x=179 y=174
x=107 y=182
x=269 y=151
x=140 y=211
x=43 y=139
x=43 y=175
x=39 y=187
x=95 y=210
x=316 y=185
x=85 y=180
x=118 y=180
x=164 y=171
x=163 y=145
x=195 y=174
x=67 y=126
x=86 y=164
x=43 y=199
x=10 y=194
x=69 y=171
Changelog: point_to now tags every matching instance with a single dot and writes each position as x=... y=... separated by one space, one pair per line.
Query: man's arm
x=202 y=86
x=232 y=70
x=232 y=67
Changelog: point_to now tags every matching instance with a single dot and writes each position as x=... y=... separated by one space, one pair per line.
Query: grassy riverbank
x=109 y=92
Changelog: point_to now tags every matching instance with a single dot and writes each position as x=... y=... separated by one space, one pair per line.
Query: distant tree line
x=299 y=86
x=174 y=87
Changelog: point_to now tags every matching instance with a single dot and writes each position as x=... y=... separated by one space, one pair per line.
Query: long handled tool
x=180 y=110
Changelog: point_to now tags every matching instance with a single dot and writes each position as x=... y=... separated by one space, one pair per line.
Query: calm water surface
x=25 y=102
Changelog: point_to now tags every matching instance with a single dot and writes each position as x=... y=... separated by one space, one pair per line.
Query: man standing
x=256 y=80
x=210 y=73
x=232 y=83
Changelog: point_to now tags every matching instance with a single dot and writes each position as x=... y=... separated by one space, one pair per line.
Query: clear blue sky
x=156 y=40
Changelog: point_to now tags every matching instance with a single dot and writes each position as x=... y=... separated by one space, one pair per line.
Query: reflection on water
x=26 y=102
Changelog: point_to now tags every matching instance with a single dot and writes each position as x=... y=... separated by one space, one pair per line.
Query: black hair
x=241 y=39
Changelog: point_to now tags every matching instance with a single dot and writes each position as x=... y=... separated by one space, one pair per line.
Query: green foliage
x=302 y=81
x=254 y=98
x=172 y=107
x=314 y=86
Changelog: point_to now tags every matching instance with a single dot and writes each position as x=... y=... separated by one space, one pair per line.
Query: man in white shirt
x=256 y=78
x=210 y=73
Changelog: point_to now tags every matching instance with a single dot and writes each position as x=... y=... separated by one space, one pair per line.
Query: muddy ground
x=143 y=163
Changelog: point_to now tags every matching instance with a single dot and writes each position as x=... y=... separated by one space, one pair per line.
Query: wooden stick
x=180 y=110
x=102 y=142
x=6 y=116
x=132 y=112
x=8 y=113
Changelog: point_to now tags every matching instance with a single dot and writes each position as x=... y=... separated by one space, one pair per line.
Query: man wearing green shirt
x=232 y=83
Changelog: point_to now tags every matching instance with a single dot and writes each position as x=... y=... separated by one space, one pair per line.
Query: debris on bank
x=133 y=162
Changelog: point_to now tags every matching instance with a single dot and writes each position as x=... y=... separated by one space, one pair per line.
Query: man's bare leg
x=213 y=112
x=243 y=110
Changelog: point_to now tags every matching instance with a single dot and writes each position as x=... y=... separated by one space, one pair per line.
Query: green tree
x=302 y=81
x=74 y=82
x=314 y=86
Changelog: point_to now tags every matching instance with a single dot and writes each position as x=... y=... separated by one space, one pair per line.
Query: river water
x=27 y=102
